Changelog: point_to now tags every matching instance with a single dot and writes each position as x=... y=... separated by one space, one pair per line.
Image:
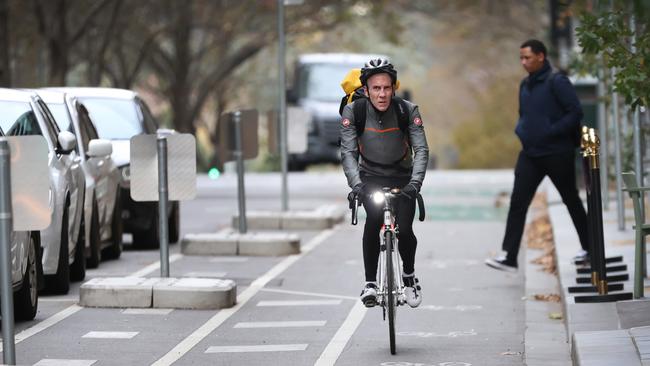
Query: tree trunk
x=180 y=88
x=5 y=72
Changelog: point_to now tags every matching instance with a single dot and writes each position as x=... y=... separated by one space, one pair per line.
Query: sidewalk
x=600 y=333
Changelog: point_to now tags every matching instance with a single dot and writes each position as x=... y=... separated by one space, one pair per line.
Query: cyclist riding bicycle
x=385 y=152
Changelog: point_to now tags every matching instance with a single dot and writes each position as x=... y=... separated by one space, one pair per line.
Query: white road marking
x=110 y=335
x=286 y=324
x=263 y=348
x=154 y=266
x=63 y=362
x=145 y=311
x=46 y=323
x=299 y=302
x=309 y=294
x=229 y=260
x=452 y=308
x=213 y=323
x=342 y=336
x=205 y=274
x=59 y=299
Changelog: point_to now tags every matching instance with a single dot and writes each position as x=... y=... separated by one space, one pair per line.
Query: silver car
x=26 y=269
x=102 y=204
x=61 y=260
x=120 y=114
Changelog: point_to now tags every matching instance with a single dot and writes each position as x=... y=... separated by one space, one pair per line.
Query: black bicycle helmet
x=377 y=66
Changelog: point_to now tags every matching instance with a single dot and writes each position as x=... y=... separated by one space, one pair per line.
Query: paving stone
x=633 y=313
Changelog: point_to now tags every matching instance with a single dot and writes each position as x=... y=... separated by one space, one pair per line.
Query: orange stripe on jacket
x=382 y=131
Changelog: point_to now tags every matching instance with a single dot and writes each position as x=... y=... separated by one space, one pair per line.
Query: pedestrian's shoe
x=502 y=264
x=412 y=291
x=581 y=257
x=369 y=295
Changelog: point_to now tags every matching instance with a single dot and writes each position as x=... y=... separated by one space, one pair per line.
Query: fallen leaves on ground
x=547 y=297
x=555 y=316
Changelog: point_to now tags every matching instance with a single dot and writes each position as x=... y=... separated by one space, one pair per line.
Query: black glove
x=410 y=191
x=356 y=192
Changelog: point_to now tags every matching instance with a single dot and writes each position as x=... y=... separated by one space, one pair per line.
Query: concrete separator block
x=119 y=292
x=324 y=217
x=221 y=243
x=194 y=293
x=269 y=244
x=305 y=220
x=259 y=220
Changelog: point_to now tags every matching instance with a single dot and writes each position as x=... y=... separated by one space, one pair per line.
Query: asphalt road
x=304 y=309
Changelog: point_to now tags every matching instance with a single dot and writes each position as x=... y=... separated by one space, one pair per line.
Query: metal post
x=6 y=226
x=284 y=158
x=239 y=157
x=620 y=208
x=163 y=195
x=603 y=128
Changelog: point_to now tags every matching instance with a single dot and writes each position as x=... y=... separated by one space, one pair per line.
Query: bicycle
x=390 y=292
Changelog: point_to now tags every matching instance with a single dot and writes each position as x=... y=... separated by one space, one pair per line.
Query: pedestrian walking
x=549 y=130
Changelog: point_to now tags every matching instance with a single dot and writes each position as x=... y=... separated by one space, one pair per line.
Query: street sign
x=226 y=139
x=29 y=182
x=181 y=165
x=298 y=119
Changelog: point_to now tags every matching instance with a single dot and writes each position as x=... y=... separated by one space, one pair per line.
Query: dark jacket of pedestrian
x=549 y=113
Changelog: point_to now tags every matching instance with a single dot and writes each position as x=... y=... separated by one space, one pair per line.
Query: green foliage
x=610 y=35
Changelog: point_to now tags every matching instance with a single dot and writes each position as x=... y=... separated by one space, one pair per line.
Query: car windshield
x=61 y=116
x=322 y=82
x=115 y=119
x=18 y=119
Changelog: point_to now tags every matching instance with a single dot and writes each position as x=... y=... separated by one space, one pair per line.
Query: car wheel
x=95 y=241
x=78 y=267
x=117 y=228
x=175 y=223
x=59 y=283
x=26 y=299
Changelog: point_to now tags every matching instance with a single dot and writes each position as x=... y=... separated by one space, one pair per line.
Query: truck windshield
x=322 y=82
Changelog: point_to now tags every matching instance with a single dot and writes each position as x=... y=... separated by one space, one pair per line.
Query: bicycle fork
x=395 y=258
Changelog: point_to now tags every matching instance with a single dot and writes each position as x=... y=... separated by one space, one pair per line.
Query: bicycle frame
x=389 y=252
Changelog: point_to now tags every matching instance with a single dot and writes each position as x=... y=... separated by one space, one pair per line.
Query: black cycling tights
x=405 y=212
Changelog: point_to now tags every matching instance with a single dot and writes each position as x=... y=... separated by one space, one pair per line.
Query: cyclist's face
x=530 y=60
x=380 y=91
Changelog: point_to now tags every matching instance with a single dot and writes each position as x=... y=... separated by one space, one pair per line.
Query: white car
x=102 y=204
x=61 y=260
x=118 y=115
x=26 y=269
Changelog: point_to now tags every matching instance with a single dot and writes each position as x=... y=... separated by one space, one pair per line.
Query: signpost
x=23 y=159
x=152 y=157
x=237 y=136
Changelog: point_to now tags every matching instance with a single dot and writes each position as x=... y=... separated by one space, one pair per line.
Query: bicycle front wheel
x=391 y=294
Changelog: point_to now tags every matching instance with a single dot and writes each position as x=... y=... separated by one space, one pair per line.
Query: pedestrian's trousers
x=529 y=173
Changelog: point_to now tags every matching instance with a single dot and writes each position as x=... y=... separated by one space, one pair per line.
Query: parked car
x=61 y=260
x=26 y=268
x=118 y=115
x=102 y=203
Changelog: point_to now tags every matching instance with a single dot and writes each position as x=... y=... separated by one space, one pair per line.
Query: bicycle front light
x=378 y=197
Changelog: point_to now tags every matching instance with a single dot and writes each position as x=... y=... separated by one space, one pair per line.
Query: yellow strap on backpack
x=352 y=82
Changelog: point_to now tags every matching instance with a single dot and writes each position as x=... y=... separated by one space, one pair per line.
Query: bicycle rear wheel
x=391 y=295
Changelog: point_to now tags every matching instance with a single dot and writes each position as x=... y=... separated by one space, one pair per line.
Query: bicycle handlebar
x=355 y=205
x=420 y=207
